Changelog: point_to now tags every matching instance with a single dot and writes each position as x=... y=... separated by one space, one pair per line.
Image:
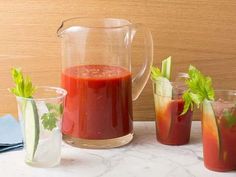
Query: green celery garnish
x=155 y=73
x=199 y=89
x=23 y=86
x=165 y=70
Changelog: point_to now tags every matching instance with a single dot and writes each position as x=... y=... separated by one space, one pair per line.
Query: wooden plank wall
x=200 y=32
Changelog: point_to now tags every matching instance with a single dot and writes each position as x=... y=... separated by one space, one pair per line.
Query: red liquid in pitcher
x=99 y=102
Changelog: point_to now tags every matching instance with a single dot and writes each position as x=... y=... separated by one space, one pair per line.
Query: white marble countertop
x=144 y=157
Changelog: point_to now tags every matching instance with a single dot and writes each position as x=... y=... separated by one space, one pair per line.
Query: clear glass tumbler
x=40 y=119
x=172 y=128
x=219 y=131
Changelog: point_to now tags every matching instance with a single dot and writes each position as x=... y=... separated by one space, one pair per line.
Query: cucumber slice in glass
x=31 y=128
x=162 y=98
x=210 y=122
x=163 y=88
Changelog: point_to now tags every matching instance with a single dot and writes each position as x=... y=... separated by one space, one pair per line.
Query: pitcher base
x=98 y=144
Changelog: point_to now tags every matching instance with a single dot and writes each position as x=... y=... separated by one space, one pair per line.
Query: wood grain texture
x=200 y=32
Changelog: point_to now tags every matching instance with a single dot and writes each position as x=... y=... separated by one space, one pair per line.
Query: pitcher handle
x=140 y=79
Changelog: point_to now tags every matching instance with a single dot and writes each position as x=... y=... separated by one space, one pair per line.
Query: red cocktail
x=219 y=135
x=99 y=102
x=172 y=128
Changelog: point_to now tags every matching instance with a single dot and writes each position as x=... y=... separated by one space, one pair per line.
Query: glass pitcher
x=96 y=72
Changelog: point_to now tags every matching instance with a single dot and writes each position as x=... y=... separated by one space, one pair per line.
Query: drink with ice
x=40 y=120
x=219 y=132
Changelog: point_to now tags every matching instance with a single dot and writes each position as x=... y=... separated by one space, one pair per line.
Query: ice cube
x=42 y=108
x=220 y=106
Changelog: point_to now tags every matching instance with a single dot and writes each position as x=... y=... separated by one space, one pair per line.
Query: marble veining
x=144 y=157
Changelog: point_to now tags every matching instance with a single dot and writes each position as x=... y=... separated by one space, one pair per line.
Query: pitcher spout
x=91 y=23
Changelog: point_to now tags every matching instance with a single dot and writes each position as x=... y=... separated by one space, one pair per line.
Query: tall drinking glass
x=219 y=131
x=40 y=119
x=172 y=128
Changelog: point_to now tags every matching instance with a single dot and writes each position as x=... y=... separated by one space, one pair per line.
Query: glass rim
x=173 y=83
x=175 y=87
x=179 y=74
x=60 y=95
x=227 y=92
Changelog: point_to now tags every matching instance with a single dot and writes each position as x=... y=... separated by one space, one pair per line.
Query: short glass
x=172 y=128
x=40 y=119
x=219 y=131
